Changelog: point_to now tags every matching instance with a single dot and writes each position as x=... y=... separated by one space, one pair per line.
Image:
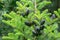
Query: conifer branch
x=35 y=5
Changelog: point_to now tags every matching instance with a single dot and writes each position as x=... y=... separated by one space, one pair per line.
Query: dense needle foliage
x=30 y=19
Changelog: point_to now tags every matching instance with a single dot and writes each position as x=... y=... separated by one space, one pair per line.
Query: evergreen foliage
x=29 y=19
